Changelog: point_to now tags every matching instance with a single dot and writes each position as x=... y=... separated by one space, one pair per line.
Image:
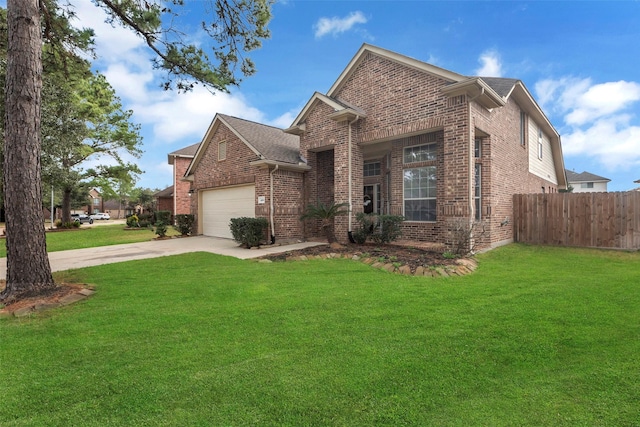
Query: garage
x=220 y=205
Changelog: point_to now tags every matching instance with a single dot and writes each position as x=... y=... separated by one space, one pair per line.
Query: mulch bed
x=386 y=254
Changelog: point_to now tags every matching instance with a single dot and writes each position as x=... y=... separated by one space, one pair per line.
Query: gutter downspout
x=472 y=172
x=350 y=182
x=273 y=237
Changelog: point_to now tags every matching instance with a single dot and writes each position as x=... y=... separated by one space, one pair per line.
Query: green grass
x=537 y=336
x=93 y=237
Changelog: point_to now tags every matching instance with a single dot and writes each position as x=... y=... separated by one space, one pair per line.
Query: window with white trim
x=539 y=143
x=586 y=185
x=419 y=183
x=222 y=150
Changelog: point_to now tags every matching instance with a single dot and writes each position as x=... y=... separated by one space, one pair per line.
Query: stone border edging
x=464 y=266
x=42 y=306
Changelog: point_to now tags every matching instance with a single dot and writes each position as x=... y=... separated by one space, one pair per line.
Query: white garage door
x=219 y=206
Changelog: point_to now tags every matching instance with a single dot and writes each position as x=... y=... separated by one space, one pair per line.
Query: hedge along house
x=428 y=144
x=247 y=169
x=419 y=141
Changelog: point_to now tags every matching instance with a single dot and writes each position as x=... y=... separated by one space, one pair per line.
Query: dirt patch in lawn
x=62 y=294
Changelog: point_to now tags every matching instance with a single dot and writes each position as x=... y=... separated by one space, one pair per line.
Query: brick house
x=417 y=140
x=165 y=200
x=177 y=198
x=247 y=169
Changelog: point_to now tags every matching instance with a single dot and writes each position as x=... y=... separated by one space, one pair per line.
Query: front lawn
x=92 y=237
x=537 y=336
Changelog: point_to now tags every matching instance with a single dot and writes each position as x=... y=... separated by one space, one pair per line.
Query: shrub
x=248 y=231
x=381 y=229
x=387 y=229
x=58 y=223
x=184 y=224
x=161 y=229
x=367 y=224
x=133 y=221
x=146 y=218
x=463 y=235
x=326 y=214
x=163 y=216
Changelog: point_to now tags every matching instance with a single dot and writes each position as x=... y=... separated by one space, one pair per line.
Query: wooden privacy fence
x=601 y=220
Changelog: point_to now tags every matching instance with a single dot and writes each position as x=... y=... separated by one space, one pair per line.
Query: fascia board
x=281 y=165
x=203 y=145
x=478 y=90
x=317 y=96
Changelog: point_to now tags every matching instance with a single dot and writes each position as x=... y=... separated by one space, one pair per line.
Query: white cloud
x=491 y=65
x=614 y=141
x=338 y=25
x=598 y=118
x=169 y=120
x=285 y=120
x=174 y=116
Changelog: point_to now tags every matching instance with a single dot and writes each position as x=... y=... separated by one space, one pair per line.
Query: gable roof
x=478 y=88
x=585 y=177
x=167 y=192
x=342 y=111
x=271 y=145
x=187 y=152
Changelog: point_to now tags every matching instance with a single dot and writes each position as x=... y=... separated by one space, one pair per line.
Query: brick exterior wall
x=404 y=106
x=401 y=102
x=235 y=169
x=165 y=204
x=211 y=173
x=181 y=199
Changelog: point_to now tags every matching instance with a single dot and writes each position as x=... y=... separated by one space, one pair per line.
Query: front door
x=372 y=200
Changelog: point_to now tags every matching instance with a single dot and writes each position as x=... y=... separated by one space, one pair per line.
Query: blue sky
x=580 y=60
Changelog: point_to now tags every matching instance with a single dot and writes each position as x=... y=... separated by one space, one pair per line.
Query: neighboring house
x=586 y=182
x=164 y=199
x=423 y=142
x=117 y=209
x=180 y=161
x=95 y=202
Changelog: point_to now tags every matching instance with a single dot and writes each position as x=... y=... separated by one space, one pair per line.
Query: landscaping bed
x=405 y=259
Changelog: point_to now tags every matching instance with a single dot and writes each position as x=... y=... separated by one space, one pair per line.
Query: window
x=222 y=150
x=371 y=169
x=523 y=128
x=539 y=143
x=96 y=201
x=477 y=196
x=477 y=148
x=420 y=184
x=420 y=153
x=586 y=185
x=420 y=194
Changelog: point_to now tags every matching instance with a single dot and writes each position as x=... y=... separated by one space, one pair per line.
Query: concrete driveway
x=78 y=258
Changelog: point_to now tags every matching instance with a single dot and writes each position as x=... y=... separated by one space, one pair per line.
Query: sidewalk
x=79 y=258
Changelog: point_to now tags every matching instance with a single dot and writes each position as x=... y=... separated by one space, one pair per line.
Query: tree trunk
x=66 y=205
x=28 y=269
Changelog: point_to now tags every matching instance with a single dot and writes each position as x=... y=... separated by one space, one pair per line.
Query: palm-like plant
x=326 y=214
